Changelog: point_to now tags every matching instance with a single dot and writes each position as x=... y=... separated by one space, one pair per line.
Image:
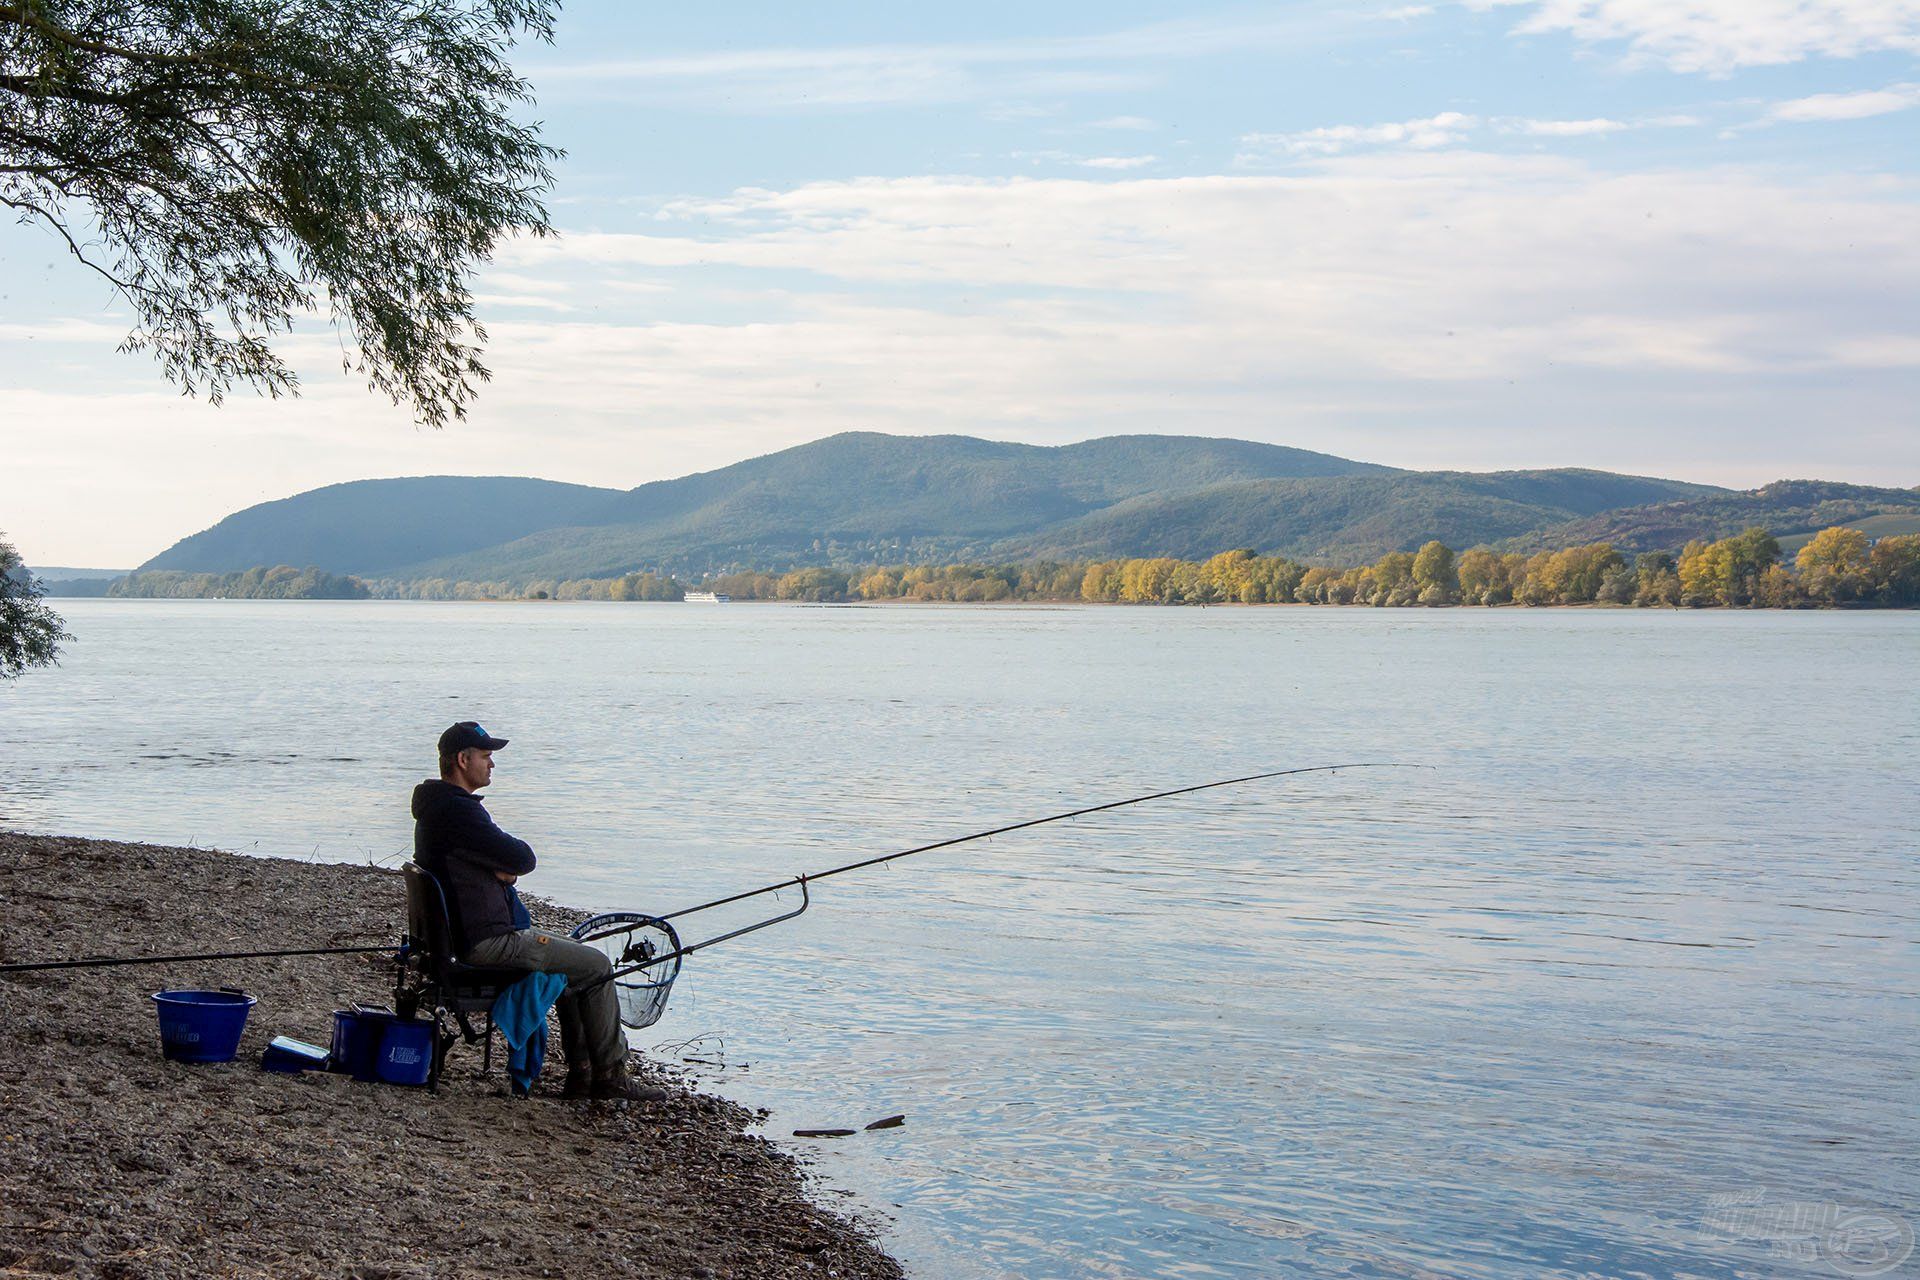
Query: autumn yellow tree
x=1529 y=579
x=1312 y=587
x=1435 y=574
x=1393 y=580
x=1147 y=581
x=1896 y=569
x=1574 y=575
x=1699 y=571
x=1727 y=572
x=1836 y=566
x=879 y=585
x=1100 y=583
x=1476 y=572
x=1226 y=576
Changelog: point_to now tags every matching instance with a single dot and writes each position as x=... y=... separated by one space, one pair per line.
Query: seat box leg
x=442 y=1041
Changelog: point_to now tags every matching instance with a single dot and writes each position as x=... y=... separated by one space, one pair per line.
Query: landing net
x=642 y=994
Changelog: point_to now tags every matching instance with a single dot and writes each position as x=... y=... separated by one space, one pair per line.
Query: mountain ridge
x=864 y=497
x=334 y=527
x=1784 y=508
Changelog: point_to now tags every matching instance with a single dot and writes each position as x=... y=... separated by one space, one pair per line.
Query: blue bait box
x=283 y=1053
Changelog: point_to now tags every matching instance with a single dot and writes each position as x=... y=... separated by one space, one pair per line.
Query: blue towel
x=521 y=1014
x=521 y=920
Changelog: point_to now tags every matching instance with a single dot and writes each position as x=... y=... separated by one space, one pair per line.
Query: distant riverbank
x=122 y=1164
x=1836 y=567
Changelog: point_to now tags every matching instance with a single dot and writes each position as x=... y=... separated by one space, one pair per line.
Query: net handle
x=805 y=901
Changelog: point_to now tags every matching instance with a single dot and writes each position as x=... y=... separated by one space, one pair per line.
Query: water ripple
x=1643 y=942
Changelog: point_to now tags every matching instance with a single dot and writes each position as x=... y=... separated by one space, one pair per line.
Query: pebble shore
x=115 y=1163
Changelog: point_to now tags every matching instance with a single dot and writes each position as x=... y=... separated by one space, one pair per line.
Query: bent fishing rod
x=801 y=882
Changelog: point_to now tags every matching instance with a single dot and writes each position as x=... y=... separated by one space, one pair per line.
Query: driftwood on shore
x=116 y=1163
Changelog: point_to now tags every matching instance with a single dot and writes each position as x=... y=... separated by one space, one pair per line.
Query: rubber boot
x=621 y=1087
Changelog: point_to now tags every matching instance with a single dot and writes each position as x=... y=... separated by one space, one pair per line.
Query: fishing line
x=802 y=881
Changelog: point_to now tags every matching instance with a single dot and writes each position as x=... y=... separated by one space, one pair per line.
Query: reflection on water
x=1641 y=946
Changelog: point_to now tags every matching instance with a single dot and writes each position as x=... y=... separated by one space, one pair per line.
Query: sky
x=1667 y=237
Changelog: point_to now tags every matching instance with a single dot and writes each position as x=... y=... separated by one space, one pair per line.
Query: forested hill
x=1343 y=520
x=1784 y=508
x=867 y=498
x=371 y=526
x=863 y=497
x=859 y=488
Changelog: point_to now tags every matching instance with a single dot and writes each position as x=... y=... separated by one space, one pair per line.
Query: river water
x=1625 y=983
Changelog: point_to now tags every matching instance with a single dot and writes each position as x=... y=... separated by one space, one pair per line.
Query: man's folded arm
x=477 y=840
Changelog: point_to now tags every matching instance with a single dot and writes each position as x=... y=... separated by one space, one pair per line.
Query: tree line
x=631 y=586
x=280 y=582
x=1838 y=567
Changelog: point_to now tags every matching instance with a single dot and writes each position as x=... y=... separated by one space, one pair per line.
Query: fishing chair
x=432 y=978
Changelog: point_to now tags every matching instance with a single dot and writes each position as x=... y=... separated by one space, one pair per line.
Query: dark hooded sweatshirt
x=455 y=838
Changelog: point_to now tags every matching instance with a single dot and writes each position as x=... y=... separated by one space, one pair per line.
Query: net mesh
x=629 y=938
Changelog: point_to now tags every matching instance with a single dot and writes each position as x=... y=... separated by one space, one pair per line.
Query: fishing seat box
x=372 y=1042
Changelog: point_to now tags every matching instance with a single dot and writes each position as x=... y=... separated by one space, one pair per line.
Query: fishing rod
x=114 y=962
x=802 y=881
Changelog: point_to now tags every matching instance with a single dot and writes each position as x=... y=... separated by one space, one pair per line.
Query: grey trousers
x=596 y=1012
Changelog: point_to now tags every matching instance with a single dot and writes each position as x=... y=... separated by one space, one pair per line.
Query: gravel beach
x=117 y=1163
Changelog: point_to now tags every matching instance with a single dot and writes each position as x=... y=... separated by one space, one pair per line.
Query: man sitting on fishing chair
x=477 y=864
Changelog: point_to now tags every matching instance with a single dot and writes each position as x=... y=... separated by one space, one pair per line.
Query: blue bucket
x=202 y=1026
x=371 y=1042
x=406 y=1052
x=356 y=1040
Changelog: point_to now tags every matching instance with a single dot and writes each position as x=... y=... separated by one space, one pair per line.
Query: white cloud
x=1846 y=106
x=516 y=283
x=1134 y=123
x=1415 y=307
x=1246 y=294
x=533 y=301
x=1425 y=134
x=67 y=330
x=1594 y=128
x=1394 y=270
x=1565 y=128
x=1721 y=36
x=1449 y=128
x=1057 y=157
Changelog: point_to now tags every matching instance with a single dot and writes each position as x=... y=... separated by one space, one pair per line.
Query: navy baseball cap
x=468 y=736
